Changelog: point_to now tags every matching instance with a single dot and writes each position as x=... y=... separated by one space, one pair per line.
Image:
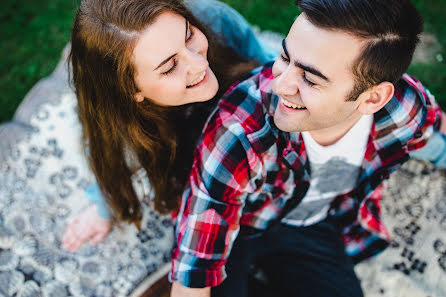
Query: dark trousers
x=297 y=261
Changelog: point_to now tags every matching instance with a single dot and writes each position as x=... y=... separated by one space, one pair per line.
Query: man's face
x=313 y=78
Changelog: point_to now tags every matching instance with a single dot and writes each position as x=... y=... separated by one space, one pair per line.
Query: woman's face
x=170 y=59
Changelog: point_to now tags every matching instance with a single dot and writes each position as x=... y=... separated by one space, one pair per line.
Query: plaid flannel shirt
x=247 y=172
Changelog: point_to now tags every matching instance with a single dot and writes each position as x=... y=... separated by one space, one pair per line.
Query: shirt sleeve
x=94 y=194
x=212 y=204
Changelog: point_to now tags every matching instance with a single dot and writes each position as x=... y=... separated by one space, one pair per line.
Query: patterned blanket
x=42 y=178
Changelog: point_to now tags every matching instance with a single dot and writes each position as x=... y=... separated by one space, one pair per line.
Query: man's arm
x=225 y=170
x=209 y=217
x=179 y=290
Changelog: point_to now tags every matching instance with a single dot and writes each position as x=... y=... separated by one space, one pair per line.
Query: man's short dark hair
x=391 y=28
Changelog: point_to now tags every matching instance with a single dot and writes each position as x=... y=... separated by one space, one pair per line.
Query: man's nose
x=286 y=82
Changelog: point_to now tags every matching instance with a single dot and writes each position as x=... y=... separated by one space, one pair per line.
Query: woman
x=134 y=87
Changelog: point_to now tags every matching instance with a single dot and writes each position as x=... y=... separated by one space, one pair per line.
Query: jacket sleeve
x=94 y=194
x=212 y=204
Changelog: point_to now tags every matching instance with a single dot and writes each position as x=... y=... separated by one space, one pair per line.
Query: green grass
x=34 y=33
x=33 y=36
x=433 y=75
x=274 y=15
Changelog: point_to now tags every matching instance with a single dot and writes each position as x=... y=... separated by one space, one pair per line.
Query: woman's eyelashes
x=175 y=62
x=171 y=69
x=304 y=77
x=285 y=59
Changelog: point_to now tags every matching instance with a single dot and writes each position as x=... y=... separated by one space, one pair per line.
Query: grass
x=433 y=75
x=33 y=36
x=34 y=33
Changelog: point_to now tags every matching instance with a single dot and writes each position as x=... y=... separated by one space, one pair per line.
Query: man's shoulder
x=405 y=113
x=408 y=87
x=249 y=101
x=409 y=98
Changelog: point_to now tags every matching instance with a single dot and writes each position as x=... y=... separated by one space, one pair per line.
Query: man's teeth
x=198 y=80
x=292 y=105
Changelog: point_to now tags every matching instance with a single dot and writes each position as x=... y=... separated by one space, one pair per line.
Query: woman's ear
x=139 y=97
x=376 y=97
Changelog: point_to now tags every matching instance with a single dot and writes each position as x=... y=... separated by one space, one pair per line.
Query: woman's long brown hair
x=114 y=124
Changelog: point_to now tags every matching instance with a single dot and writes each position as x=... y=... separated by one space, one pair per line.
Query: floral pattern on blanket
x=414 y=209
x=42 y=181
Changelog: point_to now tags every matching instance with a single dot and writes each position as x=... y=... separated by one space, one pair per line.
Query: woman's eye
x=308 y=82
x=171 y=68
x=283 y=58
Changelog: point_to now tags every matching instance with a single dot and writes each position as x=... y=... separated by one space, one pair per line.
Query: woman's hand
x=86 y=226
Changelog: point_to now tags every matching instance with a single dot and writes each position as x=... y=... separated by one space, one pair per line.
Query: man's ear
x=375 y=98
x=139 y=97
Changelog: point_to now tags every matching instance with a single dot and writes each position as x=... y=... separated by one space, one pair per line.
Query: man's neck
x=331 y=135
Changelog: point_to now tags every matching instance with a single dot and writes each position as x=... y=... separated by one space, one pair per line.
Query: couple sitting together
x=283 y=162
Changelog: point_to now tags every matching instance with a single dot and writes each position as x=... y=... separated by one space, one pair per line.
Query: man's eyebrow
x=304 y=67
x=167 y=60
x=311 y=70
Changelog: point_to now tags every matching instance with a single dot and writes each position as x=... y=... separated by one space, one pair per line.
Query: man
x=292 y=167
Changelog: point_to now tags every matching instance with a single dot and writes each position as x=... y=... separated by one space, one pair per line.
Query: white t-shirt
x=334 y=171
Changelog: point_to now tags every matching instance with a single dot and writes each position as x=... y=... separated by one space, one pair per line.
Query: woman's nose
x=196 y=61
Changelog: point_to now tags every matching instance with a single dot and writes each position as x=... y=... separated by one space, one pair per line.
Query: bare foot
x=86 y=226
